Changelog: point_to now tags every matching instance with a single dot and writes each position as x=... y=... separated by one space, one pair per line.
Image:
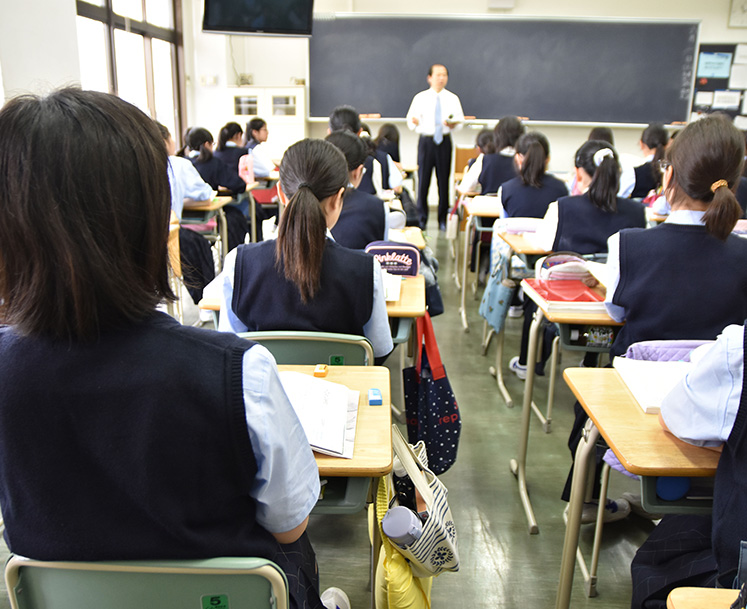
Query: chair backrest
x=298 y=348
x=214 y=583
x=462 y=155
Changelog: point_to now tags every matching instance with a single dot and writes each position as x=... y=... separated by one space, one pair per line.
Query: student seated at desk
x=529 y=194
x=256 y=135
x=123 y=434
x=214 y=171
x=654 y=140
x=387 y=141
x=364 y=218
x=707 y=408
x=493 y=169
x=304 y=280
x=229 y=148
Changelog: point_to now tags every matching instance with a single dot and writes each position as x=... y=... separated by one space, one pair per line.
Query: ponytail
x=656 y=138
x=311 y=171
x=197 y=139
x=599 y=160
x=707 y=159
x=228 y=132
x=536 y=149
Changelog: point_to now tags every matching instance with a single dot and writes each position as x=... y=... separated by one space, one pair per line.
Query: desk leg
x=487 y=335
x=551 y=389
x=584 y=455
x=253 y=216
x=465 y=266
x=497 y=371
x=223 y=231
x=375 y=541
x=518 y=466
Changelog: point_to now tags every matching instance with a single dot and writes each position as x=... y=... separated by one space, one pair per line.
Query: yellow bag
x=396 y=587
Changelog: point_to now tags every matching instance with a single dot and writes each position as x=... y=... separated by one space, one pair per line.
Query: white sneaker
x=515 y=311
x=515 y=367
x=614 y=510
x=334 y=598
x=636 y=506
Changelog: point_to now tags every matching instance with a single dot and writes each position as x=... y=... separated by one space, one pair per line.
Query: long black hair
x=599 y=160
x=536 y=150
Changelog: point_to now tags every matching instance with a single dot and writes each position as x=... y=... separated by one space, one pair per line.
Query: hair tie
x=602 y=154
x=718 y=184
x=305 y=185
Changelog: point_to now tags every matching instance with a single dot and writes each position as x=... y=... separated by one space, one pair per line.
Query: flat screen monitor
x=270 y=17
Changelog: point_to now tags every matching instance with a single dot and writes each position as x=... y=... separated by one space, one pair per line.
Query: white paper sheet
x=723 y=100
x=738 y=78
x=704 y=98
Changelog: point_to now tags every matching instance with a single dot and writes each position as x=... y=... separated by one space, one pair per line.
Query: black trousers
x=433 y=156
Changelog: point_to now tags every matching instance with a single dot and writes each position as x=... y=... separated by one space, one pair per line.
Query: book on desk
x=328 y=412
x=566 y=295
x=650 y=381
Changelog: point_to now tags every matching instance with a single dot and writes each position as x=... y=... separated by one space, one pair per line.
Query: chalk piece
x=374 y=397
x=320 y=370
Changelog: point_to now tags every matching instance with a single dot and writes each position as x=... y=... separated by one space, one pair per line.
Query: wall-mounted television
x=269 y=17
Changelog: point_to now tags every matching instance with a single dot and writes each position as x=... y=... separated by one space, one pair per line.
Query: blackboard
x=546 y=70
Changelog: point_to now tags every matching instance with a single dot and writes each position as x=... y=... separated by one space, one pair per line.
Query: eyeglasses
x=663 y=165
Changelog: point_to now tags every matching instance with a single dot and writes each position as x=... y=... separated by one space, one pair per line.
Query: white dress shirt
x=423 y=108
x=186 y=183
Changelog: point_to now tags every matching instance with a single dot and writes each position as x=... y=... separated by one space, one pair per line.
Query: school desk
x=410 y=234
x=203 y=212
x=474 y=209
x=518 y=465
x=701 y=598
x=637 y=440
x=522 y=246
x=372 y=457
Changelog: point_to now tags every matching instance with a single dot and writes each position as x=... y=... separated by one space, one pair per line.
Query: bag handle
x=431 y=348
x=412 y=466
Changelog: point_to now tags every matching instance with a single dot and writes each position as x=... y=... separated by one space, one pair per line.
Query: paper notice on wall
x=740 y=56
x=726 y=100
x=704 y=98
x=738 y=78
x=740 y=122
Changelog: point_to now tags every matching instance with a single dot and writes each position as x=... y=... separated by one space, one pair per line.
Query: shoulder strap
x=412 y=466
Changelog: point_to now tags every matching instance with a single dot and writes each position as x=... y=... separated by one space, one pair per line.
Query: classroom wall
x=38 y=46
x=277 y=61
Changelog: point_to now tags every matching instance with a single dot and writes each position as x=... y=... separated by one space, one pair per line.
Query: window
x=132 y=48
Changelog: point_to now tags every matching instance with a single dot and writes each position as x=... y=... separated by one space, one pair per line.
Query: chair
x=299 y=348
x=218 y=583
x=341 y=495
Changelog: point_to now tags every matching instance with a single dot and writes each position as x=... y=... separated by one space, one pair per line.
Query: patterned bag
x=430 y=406
x=435 y=551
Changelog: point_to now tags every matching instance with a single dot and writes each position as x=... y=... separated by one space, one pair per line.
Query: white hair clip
x=602 y=154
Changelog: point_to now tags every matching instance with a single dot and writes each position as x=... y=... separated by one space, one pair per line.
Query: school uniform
x=675 y=281
x=521 y=200
x=390 y=148
x=216 y=173
x=380 y=174
x=157 y=459
x=263 y=165
x=231 y=154
x=432 y=108
x=741 y=195
x=644 y=180
x=186 y=183
x=256 y=296
x=362 y=220
x=489 y=172
x=581 y=227
x=708 y=408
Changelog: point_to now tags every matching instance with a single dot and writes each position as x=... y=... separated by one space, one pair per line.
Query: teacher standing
x=433 y=114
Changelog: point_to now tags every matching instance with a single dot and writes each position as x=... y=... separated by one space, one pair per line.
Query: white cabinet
x=284 y=109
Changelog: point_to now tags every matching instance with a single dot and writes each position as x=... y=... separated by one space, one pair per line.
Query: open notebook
x=328 y=412
x=650 y=381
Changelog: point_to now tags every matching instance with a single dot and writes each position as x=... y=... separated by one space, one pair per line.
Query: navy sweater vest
x=523 y=201
x=231 y=155
x=263 y=299
x=584 y=228
x=644 y=180
x=497 y=168
x=679 y=282
x=362 y=220
x=730 y=495
x=216 y=173
x=131 y=447
x=367 y=184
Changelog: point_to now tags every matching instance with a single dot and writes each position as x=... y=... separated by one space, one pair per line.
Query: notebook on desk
x=328 y=412
x=566 y=295
x=650 y=381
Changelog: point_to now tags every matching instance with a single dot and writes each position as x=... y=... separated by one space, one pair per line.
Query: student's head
x=354 y=150
x=532 y=155
x=345 y=117
x=388 y=132
x=230 y=132
x=201 y=140
x=485 y=141
x=597 y=166
x=84 y=212
x=654 y=140
x=256 y=129
x=603 y=134
x=706 y=163
x=507 y=131
x=167 y=139
x=438 y=77
x=313 y=177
